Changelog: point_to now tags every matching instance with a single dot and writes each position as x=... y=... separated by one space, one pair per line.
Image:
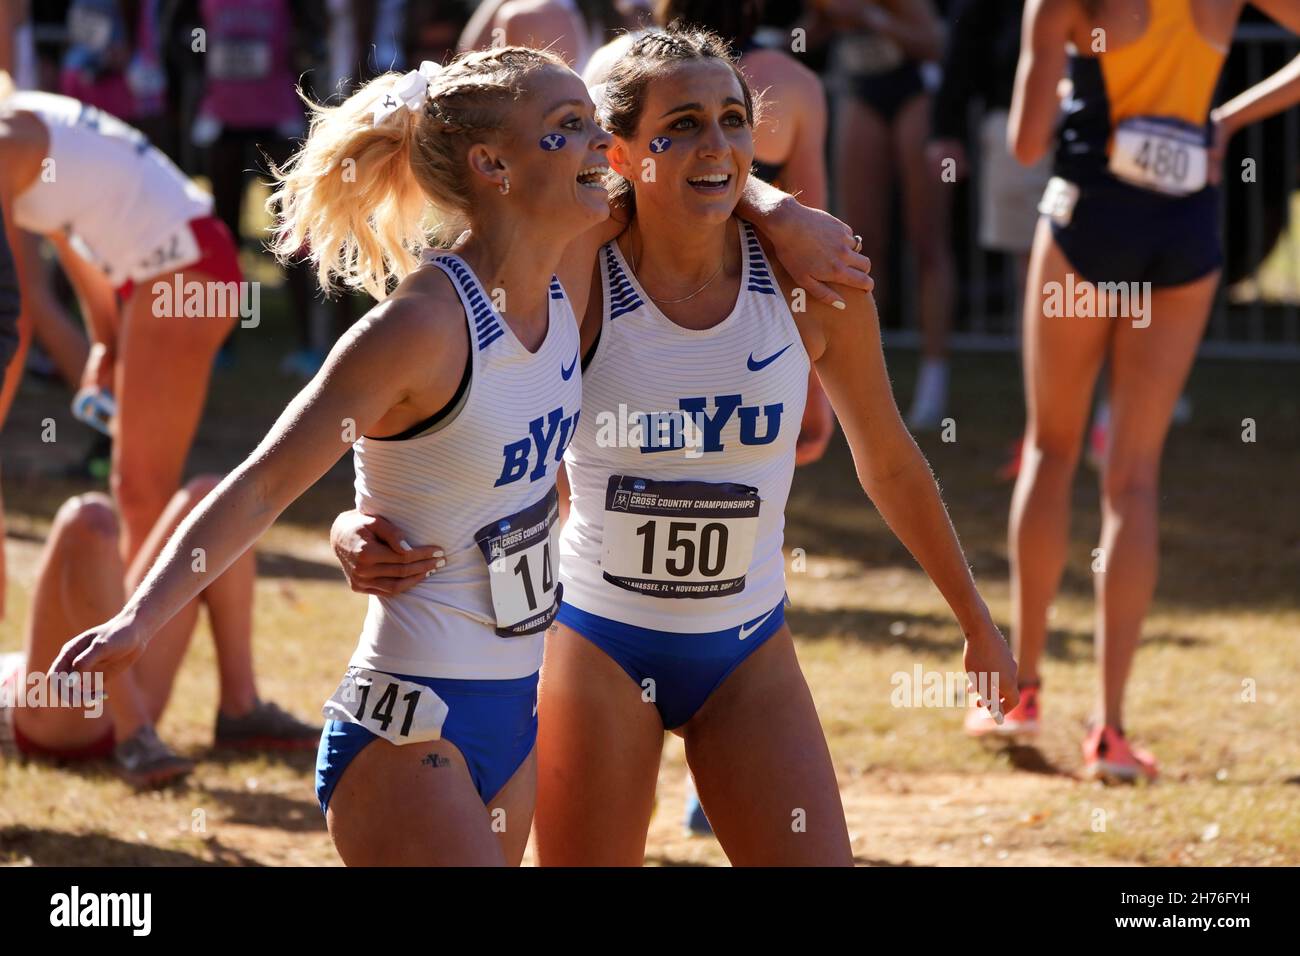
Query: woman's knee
x=87 y=521
x=1053 y=452
x=1130 y=486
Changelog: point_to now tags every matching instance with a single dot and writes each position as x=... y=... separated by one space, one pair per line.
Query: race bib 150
x=678 y=539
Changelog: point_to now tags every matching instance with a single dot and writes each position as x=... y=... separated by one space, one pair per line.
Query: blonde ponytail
x=356 y=195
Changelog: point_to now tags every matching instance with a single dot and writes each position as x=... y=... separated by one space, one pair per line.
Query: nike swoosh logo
x=746 y=631
x=567 y=373
x=754 y=366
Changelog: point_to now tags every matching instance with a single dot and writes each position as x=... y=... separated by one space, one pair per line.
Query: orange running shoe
x=1099 y=438
x=1022 y=721
x=1108 y=756
x=1010 y=471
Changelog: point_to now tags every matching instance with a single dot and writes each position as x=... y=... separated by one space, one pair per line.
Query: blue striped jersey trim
x=760 y=279
x=486 y=328
x=557 y=290
x=622 y=297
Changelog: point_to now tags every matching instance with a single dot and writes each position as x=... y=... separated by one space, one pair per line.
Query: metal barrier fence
x=1247 y=322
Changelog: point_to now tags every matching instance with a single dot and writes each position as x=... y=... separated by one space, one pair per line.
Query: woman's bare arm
x=813 y=246
x=890 y=467
x=94 y=291
x=388 y=356
x=804 y=172
x=1034 y=103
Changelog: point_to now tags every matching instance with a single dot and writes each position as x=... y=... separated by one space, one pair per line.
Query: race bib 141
x=399 y=711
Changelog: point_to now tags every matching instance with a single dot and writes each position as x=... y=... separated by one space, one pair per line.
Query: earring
x=505 y=186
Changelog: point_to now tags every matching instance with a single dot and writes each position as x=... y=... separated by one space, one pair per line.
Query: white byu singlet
x=123 y=202
x=682 y=462
x=483 y=488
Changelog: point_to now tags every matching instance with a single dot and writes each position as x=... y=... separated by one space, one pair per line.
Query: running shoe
x=266 y=727
x=930 y=401
x=11 y=677
x=1108 y=756
x=1022 y=721
x=1099 y=438
x=145 y=761
x=695 y=822
x=1010 y=471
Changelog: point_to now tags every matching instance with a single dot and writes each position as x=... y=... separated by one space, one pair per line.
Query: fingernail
x=405 y=546
x=437 y=552
x=440 y=564
x=839 y=305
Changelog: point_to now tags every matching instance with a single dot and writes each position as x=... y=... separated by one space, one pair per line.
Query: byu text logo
x=554 y=429
x=692 y=424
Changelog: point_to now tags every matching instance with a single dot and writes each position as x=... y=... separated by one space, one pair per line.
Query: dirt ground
x=916 y=792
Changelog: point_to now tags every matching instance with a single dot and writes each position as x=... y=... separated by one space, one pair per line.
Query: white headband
x=411 y=90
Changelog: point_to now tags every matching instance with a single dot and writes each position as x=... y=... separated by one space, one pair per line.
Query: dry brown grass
x=916 y=791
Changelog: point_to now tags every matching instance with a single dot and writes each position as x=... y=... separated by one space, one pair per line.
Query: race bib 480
x=678 y=539
x=1159 y=153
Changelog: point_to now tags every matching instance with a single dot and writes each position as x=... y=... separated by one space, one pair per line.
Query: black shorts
x=890 y=91
x=1122 y=233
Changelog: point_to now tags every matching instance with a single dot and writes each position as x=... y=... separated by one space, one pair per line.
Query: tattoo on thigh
x=436 y=760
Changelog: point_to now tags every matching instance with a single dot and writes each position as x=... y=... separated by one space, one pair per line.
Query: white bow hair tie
x=411 y=90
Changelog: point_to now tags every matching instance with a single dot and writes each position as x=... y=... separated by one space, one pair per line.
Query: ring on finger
x=857 y=243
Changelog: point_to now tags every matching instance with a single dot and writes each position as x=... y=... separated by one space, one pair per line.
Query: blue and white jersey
x=682 y=462
x=483 y=487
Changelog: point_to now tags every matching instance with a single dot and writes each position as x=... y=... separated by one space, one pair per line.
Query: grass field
x=1227 y=618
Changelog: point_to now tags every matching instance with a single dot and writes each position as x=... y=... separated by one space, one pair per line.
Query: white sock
x=933 y=376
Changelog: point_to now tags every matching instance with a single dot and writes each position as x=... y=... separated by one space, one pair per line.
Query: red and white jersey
x=123 y=203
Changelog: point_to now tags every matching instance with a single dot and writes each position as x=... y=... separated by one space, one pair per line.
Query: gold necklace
x=685 y=297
